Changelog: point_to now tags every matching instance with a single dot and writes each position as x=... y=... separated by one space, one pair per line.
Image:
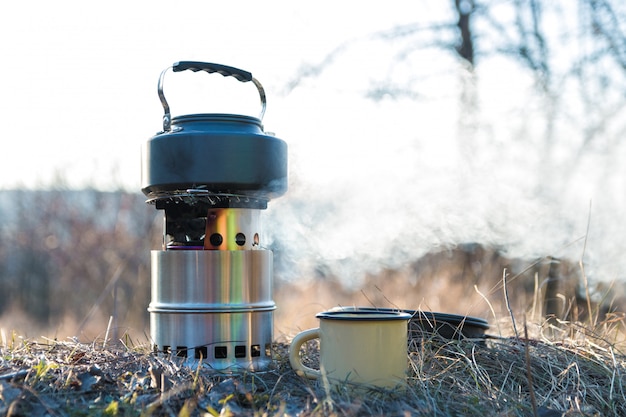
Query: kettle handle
x=208 y=67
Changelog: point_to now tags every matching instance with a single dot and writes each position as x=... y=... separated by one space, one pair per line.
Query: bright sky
x=78 y=79
x=78 y=98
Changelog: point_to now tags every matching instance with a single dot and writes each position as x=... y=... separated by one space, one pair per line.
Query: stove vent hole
x=240 y=351
x=255 y=351
x=216 y=239
x=221 y=352
x=201 y=352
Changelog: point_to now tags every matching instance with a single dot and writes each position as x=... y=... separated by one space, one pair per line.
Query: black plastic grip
x=226 y=71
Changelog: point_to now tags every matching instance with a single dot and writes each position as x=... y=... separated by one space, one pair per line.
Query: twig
x=106 y=335
x=508 y=304
x=387 y=299
x=493 y=312
x=614 y=371
x=50 y=409
x=529 y=374
x=116 y=275
x=13 y=375
x=368 y=299
x=582 y=269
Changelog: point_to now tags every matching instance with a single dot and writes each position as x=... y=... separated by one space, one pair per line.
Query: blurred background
x=434 y=147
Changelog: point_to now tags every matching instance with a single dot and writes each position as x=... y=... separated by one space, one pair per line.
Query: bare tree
x=465 y=49
x=559 y=43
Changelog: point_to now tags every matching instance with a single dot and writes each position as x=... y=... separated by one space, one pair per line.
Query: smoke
x=379 y=184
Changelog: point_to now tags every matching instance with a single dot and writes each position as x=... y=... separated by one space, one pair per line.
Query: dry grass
x=550 y=367
x=563 y=368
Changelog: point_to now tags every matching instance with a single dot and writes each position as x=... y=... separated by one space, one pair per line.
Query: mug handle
x=294 y=353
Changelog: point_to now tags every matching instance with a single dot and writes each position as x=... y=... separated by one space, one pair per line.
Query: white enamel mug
x=357 y=346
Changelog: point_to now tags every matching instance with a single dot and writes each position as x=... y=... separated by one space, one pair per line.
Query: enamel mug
x=357 y=346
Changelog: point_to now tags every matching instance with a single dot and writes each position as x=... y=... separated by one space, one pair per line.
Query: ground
x=545 y=370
